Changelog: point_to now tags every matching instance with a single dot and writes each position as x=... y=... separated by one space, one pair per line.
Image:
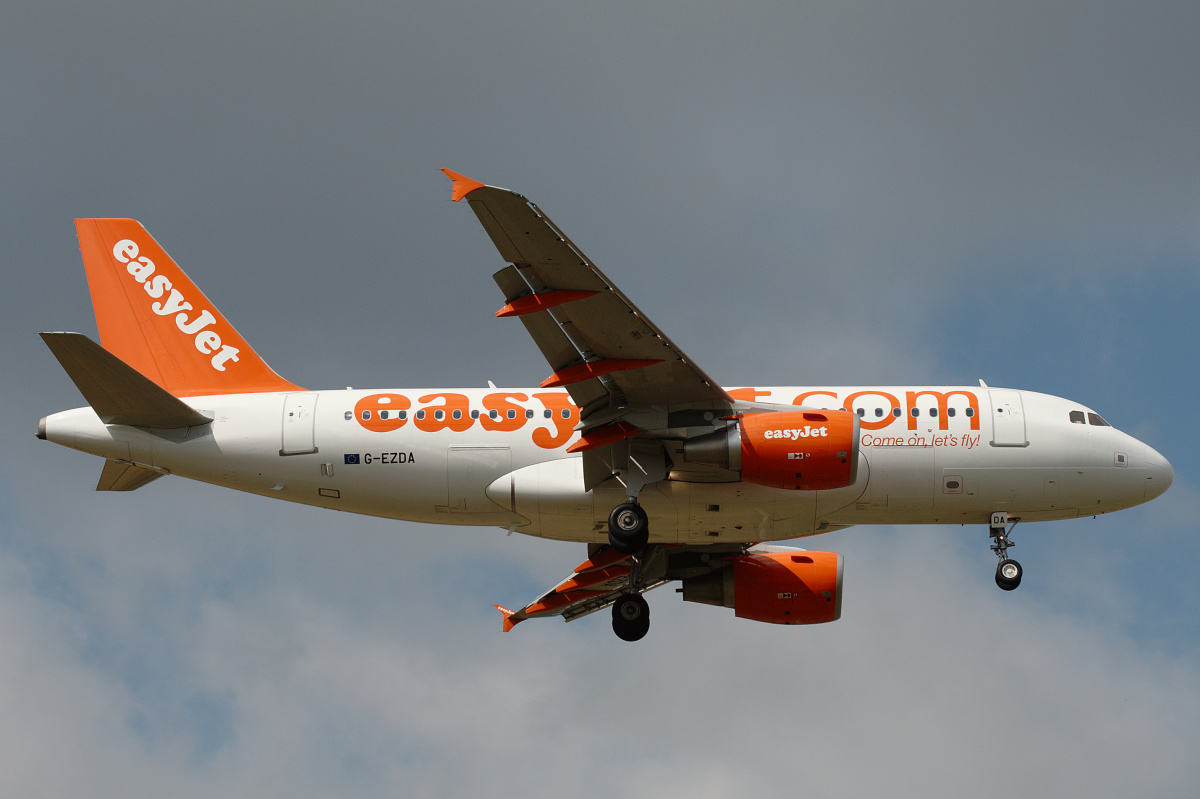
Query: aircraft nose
x=1159 y=474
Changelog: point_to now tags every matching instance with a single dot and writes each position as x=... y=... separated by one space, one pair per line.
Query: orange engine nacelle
x=775 y=587
x=800 y=450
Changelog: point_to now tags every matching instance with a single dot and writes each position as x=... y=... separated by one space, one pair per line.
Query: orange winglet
x=585 y=371
x=532 y=303
x=601 y=560
x=593 y=577
x=603 y=436
x=508 y=617
x=463 y=185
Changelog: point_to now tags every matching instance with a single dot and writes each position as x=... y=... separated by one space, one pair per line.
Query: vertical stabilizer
x=152 y=317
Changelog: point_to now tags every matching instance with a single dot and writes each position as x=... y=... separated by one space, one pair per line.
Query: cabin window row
x=915 y=412
x=456 y=414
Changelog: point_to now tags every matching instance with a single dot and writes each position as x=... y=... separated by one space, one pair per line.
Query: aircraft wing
x=594 y=585
x=600 y=347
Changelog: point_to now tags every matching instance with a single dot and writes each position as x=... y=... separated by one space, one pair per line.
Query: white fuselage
x=966 y=452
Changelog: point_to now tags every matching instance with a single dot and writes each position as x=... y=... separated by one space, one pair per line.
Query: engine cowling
x=776 y=587
x=798 y=450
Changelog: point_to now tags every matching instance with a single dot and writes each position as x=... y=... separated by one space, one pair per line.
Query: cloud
x=825 y=192
x=928 y=662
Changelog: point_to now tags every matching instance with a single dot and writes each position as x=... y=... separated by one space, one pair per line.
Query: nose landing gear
x=1008 y=571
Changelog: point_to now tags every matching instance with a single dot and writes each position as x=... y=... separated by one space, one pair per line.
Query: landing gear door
x=1008 y=419
x=298 y=420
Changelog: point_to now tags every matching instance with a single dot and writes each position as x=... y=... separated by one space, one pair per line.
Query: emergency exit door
x=299 y=418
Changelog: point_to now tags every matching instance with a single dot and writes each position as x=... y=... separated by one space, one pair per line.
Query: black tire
x=1008 y=574
x=628 y=528
x=631 y=617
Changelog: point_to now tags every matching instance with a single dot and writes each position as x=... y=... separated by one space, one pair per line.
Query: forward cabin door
x=1008 y=419
x=298 y=420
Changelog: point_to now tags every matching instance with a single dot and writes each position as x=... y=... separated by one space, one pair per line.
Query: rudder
x=154 y=318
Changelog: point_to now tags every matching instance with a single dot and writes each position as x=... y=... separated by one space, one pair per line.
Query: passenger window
x=403 y=414
x=1077 y=417
x=474 y=414
x=366 y=416
x=421 y=414
x=457 y=414
x=512 y=414
x=878 y=412
x=970 y=412
x=1094 y=419
x=916 y=412
x=949 y=411
x=528 y=413
x=862 y=411
x=933 y=412
x=896 y=412
x=439 y=415
x=494 y=414
x=349 y=415
x=547 y=413
x=566 y=414
x=383 y=414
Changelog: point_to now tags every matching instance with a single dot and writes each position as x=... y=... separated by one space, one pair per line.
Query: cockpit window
x=1094 y=418
x=1077 y=417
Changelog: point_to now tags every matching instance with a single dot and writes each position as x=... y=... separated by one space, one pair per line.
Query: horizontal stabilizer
x=120 y=476
x=118 y=393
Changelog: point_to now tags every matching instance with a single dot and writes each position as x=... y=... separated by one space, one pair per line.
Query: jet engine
x=800 y=450
x=795 y=587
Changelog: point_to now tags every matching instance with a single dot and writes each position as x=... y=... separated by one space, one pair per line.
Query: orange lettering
x=747 y=394
x=380 y=413
x=877 y=423
x=943 y=417
x=454 y=403
x=500 y=404
x=556 y=403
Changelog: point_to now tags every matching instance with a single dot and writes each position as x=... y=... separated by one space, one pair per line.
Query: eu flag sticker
x=352 y=458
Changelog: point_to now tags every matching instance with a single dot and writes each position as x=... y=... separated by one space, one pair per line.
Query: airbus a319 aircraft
x=628 y=446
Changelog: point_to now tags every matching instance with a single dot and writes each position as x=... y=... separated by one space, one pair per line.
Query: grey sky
x=797 y=193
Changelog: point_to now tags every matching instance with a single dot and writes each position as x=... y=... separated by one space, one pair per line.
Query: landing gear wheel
x=631 y=617
x=628 y=528
x=1008 y=574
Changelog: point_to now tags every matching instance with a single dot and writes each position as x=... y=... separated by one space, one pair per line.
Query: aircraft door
x=1008 y=419
x=298 y=419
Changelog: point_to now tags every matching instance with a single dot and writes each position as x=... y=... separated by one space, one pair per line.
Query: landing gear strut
x=1008 y=572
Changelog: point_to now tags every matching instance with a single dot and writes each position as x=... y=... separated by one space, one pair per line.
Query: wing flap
x=594 y=585
x=590 y=327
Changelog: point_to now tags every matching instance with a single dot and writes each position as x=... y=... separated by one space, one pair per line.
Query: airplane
x=628 y=446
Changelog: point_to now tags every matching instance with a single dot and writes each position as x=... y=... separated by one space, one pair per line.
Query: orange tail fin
x=152 y=317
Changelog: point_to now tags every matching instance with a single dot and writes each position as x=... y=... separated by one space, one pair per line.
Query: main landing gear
x=631 y=617
x=1008 y=572
x=628 y=533
x=628 y=528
